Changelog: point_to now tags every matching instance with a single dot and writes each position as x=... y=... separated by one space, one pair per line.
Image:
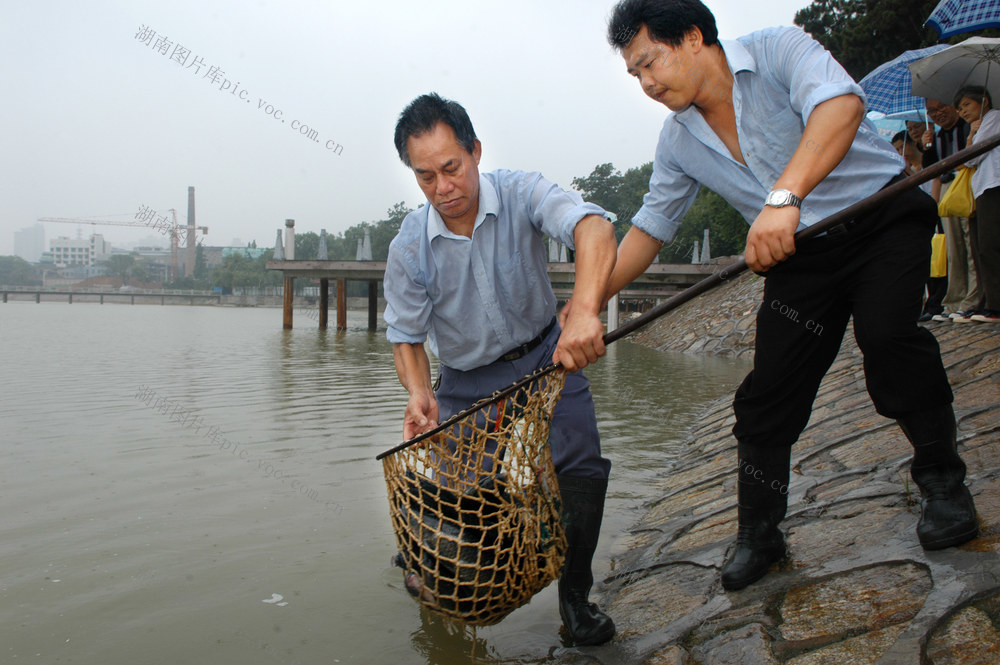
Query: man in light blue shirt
x=468 y=274
x=776 y=126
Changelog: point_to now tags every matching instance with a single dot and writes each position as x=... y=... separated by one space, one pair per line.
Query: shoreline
x=856 y=586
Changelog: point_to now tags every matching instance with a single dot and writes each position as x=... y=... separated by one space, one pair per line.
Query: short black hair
x=976 y=93
x=424 y=113
x=666 y=20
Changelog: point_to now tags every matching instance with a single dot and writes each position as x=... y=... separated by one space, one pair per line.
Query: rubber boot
x=583 y=511
x=762 y=490
x=947 y=514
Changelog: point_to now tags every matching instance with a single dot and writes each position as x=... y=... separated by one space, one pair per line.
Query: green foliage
x=863 y=34
x=239 y=271
x=622 y=194
x=306 y=246
x=120 y=265
x=138 y=272
x=189 y=283
x=616 y=192
x=15 y=271
x=727 y=230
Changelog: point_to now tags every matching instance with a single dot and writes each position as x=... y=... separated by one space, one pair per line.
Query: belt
x=845 y=227
x=842 y=228
x=529 y=346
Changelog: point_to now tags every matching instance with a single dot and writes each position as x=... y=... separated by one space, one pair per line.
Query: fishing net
x=476 y=508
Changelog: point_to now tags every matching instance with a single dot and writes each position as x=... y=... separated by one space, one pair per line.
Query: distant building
x=155 y=260
x=249 y=252
x=212 y=256
x=29 y=243
x=88 y=252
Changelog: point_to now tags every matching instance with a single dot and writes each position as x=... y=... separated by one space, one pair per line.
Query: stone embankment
x=856 y=586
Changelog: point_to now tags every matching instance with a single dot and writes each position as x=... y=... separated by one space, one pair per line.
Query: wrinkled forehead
x=436 y=148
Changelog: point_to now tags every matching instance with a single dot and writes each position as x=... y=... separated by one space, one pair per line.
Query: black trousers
x=937 y=287
x=988 y=236
x=876 y=273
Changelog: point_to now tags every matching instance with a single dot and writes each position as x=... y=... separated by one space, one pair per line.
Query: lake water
x=196 y=485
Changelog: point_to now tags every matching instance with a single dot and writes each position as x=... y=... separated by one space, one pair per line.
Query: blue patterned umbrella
x=954 y=17
x=887 y=87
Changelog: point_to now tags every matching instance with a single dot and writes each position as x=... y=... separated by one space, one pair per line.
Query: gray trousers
x=575 y=443
x=963 y=282
x=961 y=245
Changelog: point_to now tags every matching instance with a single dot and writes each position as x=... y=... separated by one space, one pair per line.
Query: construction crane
x=174 y=232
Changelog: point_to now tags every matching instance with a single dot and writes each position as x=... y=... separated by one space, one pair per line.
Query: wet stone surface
x=856 y=587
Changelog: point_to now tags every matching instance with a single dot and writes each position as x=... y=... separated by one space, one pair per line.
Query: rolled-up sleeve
x=671 y=193
x=553 y=210
x=811 y=73
x=407 y=306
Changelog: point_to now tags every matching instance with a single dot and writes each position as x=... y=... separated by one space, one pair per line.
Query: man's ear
x=477 y=151
x=694 y=39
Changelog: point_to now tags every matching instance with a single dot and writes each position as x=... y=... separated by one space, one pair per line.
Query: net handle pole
x=864 y=205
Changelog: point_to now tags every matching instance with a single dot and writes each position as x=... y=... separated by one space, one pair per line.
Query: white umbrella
x=974 y=62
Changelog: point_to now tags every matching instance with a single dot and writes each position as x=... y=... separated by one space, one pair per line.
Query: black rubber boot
x=583 y=511
x=762 y=490
x=947 y=514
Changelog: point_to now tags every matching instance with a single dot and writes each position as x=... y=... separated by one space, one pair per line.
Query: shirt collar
x=489 y=204
x=738 y=56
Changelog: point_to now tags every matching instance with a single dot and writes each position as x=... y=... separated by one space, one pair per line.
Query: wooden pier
x=661 y=280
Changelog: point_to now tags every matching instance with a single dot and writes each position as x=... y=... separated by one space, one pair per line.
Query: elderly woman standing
x=975 y=107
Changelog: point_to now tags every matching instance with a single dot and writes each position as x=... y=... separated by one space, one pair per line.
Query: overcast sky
x=97 y=123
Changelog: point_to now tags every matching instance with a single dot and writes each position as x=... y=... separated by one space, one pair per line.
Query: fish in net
x=476 y=510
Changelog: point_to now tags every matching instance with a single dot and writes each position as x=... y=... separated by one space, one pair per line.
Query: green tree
x=266 y=277
x=120 y=265
x=234 y=271
x=616 y=192
x=727 y=230
x=239 y=271
x=189 y=283
x=344 y=246
x=15 y=271
x=139 y=272
x=622 y=194
x=863 y=34
x=306 y=246
x=385 y=230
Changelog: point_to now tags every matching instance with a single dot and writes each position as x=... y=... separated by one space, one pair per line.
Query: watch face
x=777 y=198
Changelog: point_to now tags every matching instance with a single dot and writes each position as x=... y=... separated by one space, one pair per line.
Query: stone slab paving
x=856 y=587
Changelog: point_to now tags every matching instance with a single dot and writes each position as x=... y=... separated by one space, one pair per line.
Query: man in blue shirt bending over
x=468 y=273
x=775 y=125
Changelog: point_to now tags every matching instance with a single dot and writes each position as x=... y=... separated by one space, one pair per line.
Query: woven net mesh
x=476 y=508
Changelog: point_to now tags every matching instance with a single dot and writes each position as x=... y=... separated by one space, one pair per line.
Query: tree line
x=616 y=192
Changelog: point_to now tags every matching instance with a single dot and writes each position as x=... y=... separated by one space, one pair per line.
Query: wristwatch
x=779 y=198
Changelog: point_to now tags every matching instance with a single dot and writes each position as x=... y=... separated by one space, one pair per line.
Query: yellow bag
x=939 y=256
x=958 y=200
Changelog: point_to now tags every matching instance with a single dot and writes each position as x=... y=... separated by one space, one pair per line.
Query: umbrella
x=943 y=74
x=953 y=17
x=887 y=87
x=887 y=127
